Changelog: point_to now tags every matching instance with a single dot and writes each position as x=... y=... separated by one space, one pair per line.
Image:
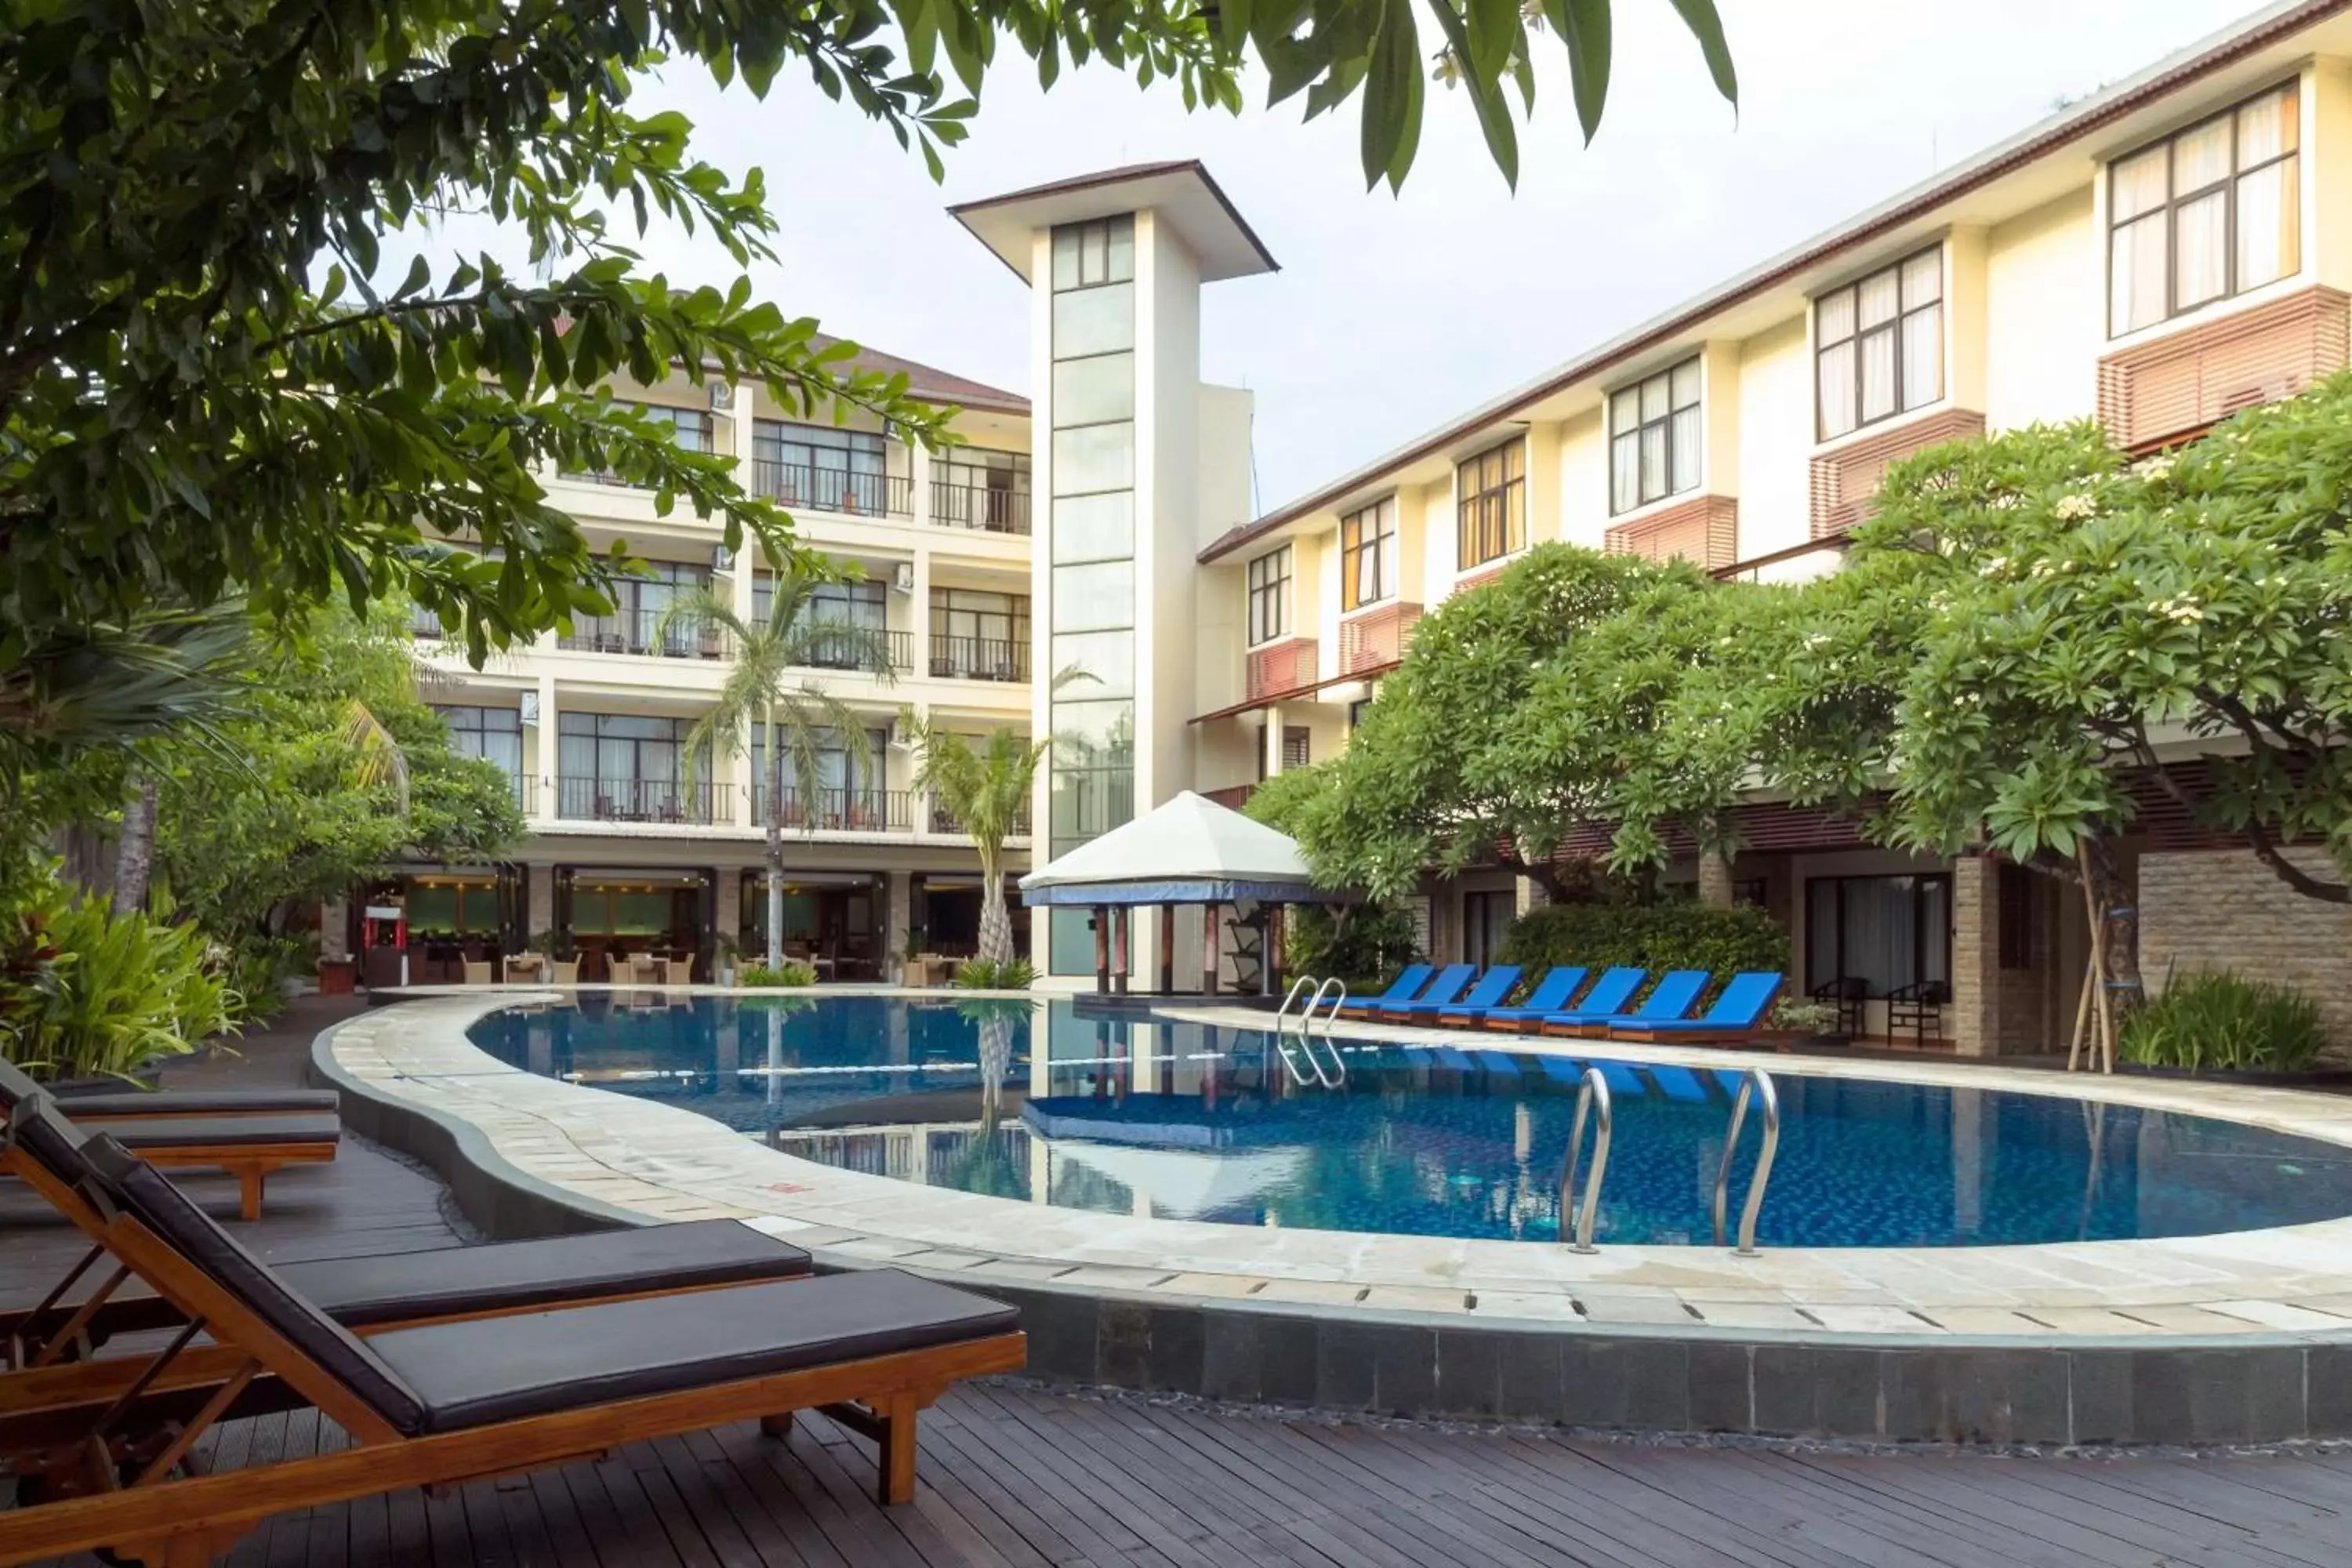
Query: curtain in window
x=1878 y=390
x=1923 y=356
x=2201 y=232
x=2267 y=248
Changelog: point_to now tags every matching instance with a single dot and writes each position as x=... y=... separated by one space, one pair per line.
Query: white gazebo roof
x=1189 y=851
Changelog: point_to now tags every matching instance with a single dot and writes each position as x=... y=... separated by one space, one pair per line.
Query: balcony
x=702 y=804
x=835 y=489
x=979 y=659
x=942 y=821
x=641 y=632
x=841 y=652
x=836 y=810
x=1376 y=638
x=985 y=509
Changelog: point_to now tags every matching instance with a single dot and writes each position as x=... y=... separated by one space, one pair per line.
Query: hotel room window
x=1269 y=596
x=2206 y=212
x=1492 y=498
x=1653 y=440
x=1368 y=554
x=1878 y=345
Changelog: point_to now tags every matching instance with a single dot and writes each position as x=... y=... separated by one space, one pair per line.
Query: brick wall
x=1998 y=1008
x=2224 y=909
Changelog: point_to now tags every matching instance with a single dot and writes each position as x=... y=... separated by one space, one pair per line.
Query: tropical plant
x=2218 y=1021
x=786 y=973
x=1364 y=945
x=86 y=993
x=995 y=974
x=257 y=971
x=985 y=790
x=1804 y=1015
x=785 y=722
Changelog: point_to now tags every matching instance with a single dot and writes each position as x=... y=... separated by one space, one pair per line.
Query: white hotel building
x=2159 y=254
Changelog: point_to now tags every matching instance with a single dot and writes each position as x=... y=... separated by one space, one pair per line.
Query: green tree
x=986 y=790
x=770 y=710
x=210 y=383
x=1458 y=763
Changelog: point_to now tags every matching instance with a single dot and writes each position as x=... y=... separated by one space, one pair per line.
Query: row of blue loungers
x=1459 y=995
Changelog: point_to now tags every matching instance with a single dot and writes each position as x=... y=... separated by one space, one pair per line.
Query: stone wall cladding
x=2222 y=909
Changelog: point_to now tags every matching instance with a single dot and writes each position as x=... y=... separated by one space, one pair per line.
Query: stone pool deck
x=2246 y=1337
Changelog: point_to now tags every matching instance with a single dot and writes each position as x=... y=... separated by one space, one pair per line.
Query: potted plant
x=1804 y=1018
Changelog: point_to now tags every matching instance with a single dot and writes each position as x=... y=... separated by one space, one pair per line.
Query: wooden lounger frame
x=187 y=1523
x=252 y=1165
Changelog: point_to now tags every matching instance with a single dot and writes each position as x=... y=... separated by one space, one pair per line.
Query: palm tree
x=984 y=791
x=798 y=721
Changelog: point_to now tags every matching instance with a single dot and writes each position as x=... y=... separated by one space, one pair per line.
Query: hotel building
x=2158 y=256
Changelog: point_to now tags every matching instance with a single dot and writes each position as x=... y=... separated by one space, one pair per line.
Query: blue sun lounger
x=1550 y=994
x=1605 y=1000
x=1404 y=987
x=1442 y=990
x=1737 y=1014
x=1492 y=987
x=1671 y=998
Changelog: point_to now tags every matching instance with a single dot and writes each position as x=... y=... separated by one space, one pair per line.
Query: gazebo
x=1190 y=851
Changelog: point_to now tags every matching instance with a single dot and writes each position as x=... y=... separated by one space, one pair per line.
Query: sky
x=1393 y=314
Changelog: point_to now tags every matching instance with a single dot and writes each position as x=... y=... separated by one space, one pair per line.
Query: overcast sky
x=1389 y=314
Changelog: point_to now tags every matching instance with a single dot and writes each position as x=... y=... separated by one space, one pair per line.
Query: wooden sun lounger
x=124 y=1105
x=471 y=1399
x=249 y=1144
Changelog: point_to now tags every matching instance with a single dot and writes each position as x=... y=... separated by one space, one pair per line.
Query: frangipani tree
x=985 y=789
x=769 y=710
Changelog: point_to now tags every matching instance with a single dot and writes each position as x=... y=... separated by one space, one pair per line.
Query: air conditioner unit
x=721 y=558
x=900 y=739
x=902 y=577
x=722 y=397
x=531 y=710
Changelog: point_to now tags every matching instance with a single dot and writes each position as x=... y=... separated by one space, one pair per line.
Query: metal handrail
x=1593 y=1096
x=1758 y=1084
x=1338 y=1073
x=1303 y=983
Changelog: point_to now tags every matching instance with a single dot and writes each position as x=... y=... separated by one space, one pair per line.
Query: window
x=2210 y=212
x=1358 y=712
x=1878 y=345
x=1298 y=746
x=1654 y=441
x=626 y=766
x=829 y=470
x=1887 y=932
x=1492 y=496
x=1368 y=554
x=494 y=734
x=1486 y=919
x=2017 y=898
x=1269 y=596
x=690 y=428
x=980 y=635
x=642 y=603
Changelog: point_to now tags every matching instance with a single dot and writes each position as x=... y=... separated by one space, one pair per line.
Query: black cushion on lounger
x=16 y=1086
x=51 y=1140
x=212 y=1132
x=450 y=1281
x=500 y=1368
x=200 y=1102
x=139 y=1189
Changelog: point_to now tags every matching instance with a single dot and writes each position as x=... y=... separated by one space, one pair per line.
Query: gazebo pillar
x=1123 y=960
x=1208 y=950
x=1102 y=948
x=1167 y=950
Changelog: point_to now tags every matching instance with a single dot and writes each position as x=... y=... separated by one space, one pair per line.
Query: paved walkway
x=1016 y=1475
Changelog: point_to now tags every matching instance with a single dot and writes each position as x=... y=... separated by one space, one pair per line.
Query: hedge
x=1656 y=937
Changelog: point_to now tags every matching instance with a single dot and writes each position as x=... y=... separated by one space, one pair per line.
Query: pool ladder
x=1756 y=1085
x=1593 y=1103
x=1315 y=1071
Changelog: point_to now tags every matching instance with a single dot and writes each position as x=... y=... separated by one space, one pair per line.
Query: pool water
x=1038 y=1103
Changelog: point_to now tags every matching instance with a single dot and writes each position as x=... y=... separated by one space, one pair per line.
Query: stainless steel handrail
x=1591 y=1097
x=1338 y=1073
x=1303 y=983
x=1758 y=1085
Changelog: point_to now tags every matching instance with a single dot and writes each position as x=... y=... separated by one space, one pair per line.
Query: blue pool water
x=1038 y=1103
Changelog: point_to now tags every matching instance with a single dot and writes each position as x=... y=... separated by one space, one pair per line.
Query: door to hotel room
x=1487 y=919
x=832 y=923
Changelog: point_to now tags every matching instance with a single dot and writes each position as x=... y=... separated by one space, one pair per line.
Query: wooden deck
x=1017 y=1475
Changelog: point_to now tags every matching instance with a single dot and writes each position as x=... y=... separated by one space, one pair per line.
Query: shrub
x=1656 y=937
x=2221 y=1022
x=786 y=973
x=1805 y=1016
x=256 y=970
x=979 y=974
x=85 y=994
x=1364 y=945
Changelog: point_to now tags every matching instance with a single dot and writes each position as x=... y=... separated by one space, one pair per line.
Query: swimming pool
x=1186 y=1120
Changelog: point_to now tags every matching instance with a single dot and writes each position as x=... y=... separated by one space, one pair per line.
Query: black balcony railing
x=641 y=632
x=526 y=793
x=979 y=659
x=836 y=810
x=985 y=507
x=643 y=800
x=835 y=489
x=833 y=650
x=943 y=821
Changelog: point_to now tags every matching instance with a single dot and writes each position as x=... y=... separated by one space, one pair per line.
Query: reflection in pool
x=1185 y=1120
